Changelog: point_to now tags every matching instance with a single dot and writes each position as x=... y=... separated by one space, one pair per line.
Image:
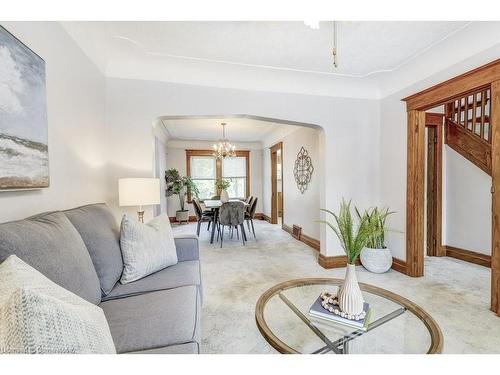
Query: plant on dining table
x=222 y=184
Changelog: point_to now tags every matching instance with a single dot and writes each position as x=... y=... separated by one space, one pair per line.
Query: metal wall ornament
x=303 y=170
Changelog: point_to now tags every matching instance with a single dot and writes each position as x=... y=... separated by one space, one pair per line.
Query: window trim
x=218 y=167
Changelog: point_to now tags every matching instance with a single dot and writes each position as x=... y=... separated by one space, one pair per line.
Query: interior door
x=274 y=187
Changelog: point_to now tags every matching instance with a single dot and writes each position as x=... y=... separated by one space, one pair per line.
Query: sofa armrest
x=187 y=248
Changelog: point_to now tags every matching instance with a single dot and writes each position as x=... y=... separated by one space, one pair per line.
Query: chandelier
x=224 y=148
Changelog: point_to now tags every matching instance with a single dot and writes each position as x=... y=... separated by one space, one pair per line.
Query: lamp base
x=140 y=214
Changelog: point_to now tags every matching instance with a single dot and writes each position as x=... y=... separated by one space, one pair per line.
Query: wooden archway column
x=415 y=193
x=483 y=77
x=495 y=189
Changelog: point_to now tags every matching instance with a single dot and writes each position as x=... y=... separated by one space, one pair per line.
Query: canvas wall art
x=24 y=159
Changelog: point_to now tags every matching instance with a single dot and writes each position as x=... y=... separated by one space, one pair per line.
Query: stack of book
x=319 y=312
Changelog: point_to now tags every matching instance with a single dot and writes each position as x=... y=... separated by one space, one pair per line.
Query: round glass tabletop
x=396 y=324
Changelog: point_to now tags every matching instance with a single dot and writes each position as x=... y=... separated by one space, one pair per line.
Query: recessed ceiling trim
x=229 y=62
x=250 y=117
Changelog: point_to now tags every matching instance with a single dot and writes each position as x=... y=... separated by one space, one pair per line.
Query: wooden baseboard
x=468 y=256
x=309 y=241
x=337 y=261
x=259 y=216
x=265 y=217
x=174 y=220
x=340 y=261
x=399 y=265
x=312 y=242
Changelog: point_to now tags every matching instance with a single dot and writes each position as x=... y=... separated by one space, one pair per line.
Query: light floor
x=455 y=293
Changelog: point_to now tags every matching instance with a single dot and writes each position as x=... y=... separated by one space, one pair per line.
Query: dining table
x=214 y=205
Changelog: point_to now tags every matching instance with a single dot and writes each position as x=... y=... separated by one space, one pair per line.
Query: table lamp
x=139 y=192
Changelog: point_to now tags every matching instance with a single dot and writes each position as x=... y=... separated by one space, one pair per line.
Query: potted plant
x=353 y=237
x=177 y=185
x=222 y=185
x=375 y=256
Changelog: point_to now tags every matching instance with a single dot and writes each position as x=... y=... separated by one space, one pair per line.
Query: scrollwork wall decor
x=303 y=170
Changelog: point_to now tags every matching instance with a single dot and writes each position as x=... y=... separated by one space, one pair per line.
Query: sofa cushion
x=154 y=320
x=188 y=348
x=187 y=247
x=51 y=244
x=181 y=274
x=38 y=316
x=100 y=233
x=146 y=248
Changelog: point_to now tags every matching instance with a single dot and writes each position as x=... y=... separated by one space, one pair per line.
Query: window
x=203 y=174
x=235 y=169
x=204 y=169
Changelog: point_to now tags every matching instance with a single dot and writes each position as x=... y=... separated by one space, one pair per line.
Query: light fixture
x=334 y=50
x=139 y=192
x=224 y=149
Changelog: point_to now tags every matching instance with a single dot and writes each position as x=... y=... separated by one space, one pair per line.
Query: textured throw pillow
x=38 y=316
x=146 y=248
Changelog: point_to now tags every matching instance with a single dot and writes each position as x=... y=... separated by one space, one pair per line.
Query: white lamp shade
x=139 y=191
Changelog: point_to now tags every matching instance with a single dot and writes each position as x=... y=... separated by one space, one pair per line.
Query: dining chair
x=232 y=215
x=248 y=201
x=250 y=213
x=201 y=216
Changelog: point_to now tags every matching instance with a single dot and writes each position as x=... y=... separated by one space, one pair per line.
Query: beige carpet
x=455 y=293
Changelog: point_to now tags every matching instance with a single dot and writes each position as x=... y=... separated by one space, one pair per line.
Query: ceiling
x=376 y=59
x=209 y=129
x=364 y=48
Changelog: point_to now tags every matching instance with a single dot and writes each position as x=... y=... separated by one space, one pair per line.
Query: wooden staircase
x=468 y=129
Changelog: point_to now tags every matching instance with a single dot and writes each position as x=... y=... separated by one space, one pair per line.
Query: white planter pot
x=224 y=197
x=376 y=260
x=350 y=297
x=182 y=216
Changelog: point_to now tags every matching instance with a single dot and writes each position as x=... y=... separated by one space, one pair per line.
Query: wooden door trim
x=464 y=83
x=415 y=193
x=495 y=175
x=274 y=190
x=435 y=121
x=485 y=76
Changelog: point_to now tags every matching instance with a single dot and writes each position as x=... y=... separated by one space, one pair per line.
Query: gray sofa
x=79 y=249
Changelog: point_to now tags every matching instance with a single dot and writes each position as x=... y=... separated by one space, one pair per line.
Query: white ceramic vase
x=350 y=297
x=376 y=260
x=224 y=197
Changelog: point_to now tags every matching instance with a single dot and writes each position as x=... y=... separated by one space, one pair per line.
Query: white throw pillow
x=146 y=248
x=38 y=316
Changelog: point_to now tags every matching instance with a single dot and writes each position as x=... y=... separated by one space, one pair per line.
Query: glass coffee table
x=397 y=325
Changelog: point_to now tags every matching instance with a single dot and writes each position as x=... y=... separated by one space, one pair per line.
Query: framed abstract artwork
x=24 y=158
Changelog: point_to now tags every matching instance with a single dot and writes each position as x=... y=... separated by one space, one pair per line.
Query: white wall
x=468 y=204
x=176 y=158
x=76 y=125
x=299 y=209
x=351 y=133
